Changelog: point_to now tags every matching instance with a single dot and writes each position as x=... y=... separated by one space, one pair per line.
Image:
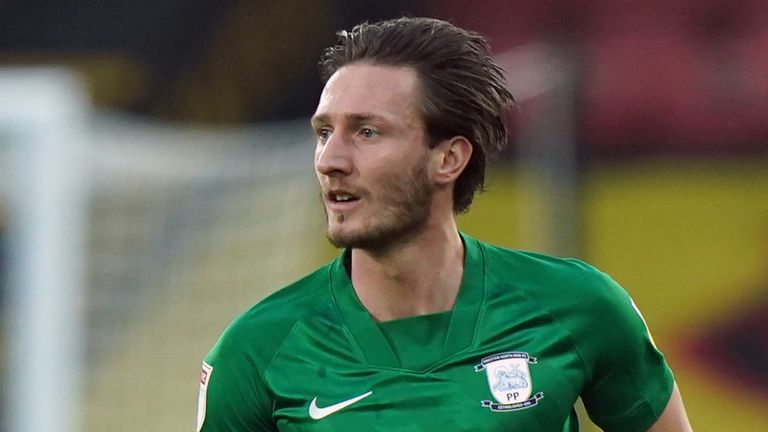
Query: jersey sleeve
x=233 y=396
x=630 y=383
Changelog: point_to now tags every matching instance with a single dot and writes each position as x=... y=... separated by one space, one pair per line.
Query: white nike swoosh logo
x=317 y=413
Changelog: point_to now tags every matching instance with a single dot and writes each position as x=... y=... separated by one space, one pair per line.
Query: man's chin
x=375 y=238
x=348 y=238
x=372 y=241
x=341 y=238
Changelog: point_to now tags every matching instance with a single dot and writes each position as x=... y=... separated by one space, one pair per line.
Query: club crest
x=509 y=380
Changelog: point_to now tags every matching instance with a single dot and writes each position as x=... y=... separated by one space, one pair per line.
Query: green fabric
x=528 y=335
x=417 y=341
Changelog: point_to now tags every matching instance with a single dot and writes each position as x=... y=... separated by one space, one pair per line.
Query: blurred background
x=156 y=181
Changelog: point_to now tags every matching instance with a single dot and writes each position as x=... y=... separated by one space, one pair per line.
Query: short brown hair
x=464 y=90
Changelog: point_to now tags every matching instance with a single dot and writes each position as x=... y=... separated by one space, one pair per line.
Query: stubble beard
x=404 y=209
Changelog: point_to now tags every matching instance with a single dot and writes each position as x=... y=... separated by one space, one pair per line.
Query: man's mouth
x=341 y=196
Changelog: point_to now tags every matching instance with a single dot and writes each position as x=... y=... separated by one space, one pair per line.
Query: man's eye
x=367 y=132
x=323 y=133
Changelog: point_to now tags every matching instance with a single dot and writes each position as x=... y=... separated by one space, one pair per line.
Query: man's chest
x=506 y=382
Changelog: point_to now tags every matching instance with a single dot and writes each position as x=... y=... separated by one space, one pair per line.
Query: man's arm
x=631 y=387
x=233 y=394
x=674 y=418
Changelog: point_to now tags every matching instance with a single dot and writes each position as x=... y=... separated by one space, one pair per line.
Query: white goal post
x=43 y=113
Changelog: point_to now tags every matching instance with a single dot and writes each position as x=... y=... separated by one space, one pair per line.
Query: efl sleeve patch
x=205 y=377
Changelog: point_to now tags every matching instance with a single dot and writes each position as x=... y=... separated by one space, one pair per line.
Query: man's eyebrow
x=318 y=120
x=364 y=117
x=321 y=119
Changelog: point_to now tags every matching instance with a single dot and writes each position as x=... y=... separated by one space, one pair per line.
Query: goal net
x=130 y=248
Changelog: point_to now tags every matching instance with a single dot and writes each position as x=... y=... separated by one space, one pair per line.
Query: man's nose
x=333 y=157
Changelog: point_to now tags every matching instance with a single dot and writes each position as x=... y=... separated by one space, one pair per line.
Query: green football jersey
x=527 y=336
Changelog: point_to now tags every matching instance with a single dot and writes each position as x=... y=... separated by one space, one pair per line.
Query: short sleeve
x=233 y=396
x=630 y=381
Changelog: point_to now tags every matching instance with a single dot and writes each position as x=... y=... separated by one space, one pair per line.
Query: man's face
x=371 y=156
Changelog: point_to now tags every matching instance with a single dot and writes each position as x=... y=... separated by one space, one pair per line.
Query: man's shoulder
x=550 y=279
x=536 y=265
x=263 y=327
x=576 y=294
x=290 y=303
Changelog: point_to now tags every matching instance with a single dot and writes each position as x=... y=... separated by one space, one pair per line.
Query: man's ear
x=449 y=159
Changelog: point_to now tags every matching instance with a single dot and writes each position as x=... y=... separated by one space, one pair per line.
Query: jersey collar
x=367 y=334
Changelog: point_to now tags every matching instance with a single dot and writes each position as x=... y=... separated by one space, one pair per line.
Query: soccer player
x=416 y=326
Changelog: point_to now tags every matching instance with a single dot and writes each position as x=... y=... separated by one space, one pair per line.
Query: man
x=415 y=326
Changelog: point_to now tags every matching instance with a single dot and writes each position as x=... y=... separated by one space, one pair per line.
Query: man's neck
x=419 y=277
